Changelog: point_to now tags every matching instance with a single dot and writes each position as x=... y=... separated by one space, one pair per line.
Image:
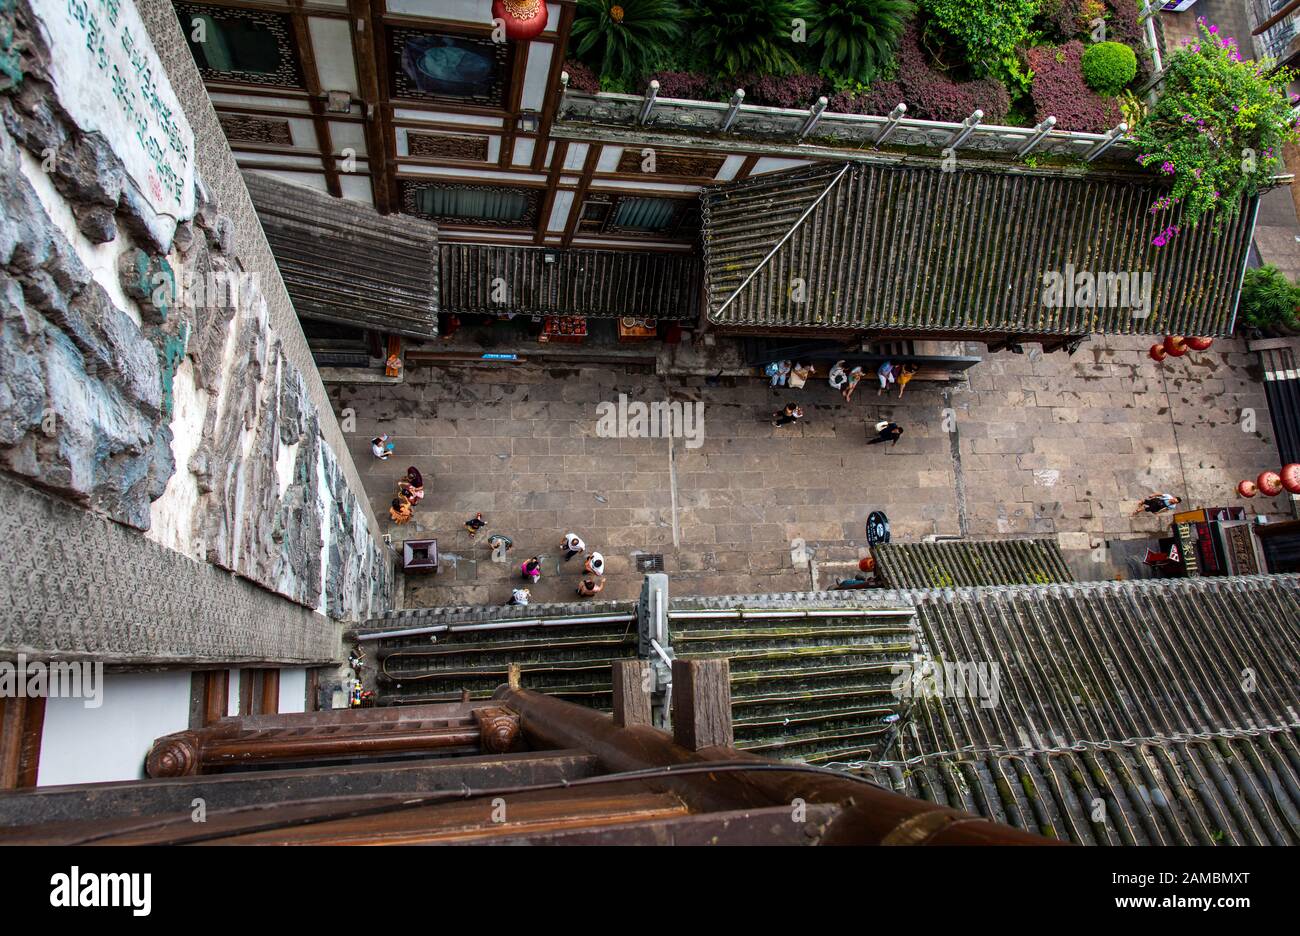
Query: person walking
x=905 y=377
x=779 y=371
x=519 y=596
x=532 y=569
x=573 y=546
x=838 y=376
x=590 y=586
x=791 y=414
x=400 y=510
x=595 y=564
x=1157 y=503
x=475 y=523
x=887 y=432
x=855 y=377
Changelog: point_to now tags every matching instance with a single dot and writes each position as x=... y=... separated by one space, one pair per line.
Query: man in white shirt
x=519 y=596
x=595 y=564
x=573 y=546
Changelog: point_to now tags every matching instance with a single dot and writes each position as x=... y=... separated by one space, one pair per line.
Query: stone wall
x=163 y=382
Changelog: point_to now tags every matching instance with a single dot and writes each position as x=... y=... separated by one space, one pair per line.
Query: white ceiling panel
x=347 y=135
x=357 y=188
x=331 y=40
x=560 y=211
x=536 y=74
x=609 y=157
x=476 y=120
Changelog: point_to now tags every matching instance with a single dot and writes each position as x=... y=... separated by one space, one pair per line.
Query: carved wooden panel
x=690 y=165
x=242 y=128
x=411 y=204
x=447 y=146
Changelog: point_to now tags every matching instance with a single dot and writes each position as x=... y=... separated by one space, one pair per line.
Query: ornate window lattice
x=241 y=45
x=448 y=68
x=480 y=205
x=687 y=165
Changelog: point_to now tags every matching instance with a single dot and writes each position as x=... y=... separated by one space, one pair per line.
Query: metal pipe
x=499 y=625
x=736 y=100
x=814 y=115
x=895 y=117
x=1112 y=137
x=1040 y=133
x=967 y=128
x=741 y=613
x=651 y=93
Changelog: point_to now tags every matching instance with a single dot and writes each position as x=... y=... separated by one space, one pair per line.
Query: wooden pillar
x=631 y=693
x=702 y=703
x=22 y=721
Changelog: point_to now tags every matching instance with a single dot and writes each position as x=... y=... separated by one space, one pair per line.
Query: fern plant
x=856 y=38
x=624 y=39
x=746 y=36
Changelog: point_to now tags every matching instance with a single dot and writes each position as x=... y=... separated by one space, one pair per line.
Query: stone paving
x=1042 y=445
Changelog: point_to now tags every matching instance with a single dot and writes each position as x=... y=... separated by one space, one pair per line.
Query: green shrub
x=623 y=39
x=1268 y=299
x=745 y=36
x=1108 y=67
x=992 y=34
x=856 y=38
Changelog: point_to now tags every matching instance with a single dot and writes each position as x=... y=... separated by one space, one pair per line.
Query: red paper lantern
x=1270 y=483
x=1291 y=478
x=1247 y=489
x=1200 y=344
x=1175 y=346
x=1157 y=352
x=524 y=19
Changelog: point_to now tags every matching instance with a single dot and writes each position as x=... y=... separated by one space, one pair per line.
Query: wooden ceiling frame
x=550 y=98
x=315 y=97
x=381 y=143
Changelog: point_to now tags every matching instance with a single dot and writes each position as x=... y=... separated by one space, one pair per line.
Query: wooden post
x=631 y=693
x=702 y=703
x=514 y=675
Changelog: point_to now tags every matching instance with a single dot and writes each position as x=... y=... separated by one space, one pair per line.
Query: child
x=400 y=510
x=381 y=447
x=532 y=569
x=595 y=564
x=573 y=546
x=590 y=586
x=475 y=523
x=905 y=377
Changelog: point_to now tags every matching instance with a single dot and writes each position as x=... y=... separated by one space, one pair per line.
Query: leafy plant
x=1060 y=91
x=735 y=36
x=1269 y=299
x=1217 y=129
x=856 y=37
x=991 y=33
x=1109 y=66
x=623 y=39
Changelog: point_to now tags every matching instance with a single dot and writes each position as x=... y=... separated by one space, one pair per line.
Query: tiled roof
x=970 y=562
x=594 y=283
x=1127 y=712
x=924 y=250
x=344 y=262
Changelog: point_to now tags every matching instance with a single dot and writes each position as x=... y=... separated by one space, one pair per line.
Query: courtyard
x=1040 y=445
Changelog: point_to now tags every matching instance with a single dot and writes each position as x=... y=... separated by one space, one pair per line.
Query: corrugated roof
x=970 y=563
x=344 y=262
x=1142 y=712
x=921 y=249
x=595 y=283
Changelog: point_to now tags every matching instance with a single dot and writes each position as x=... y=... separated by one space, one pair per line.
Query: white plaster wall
x=293 y=690
x=85 y=745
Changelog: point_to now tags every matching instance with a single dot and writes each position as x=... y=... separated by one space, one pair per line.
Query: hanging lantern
x=1175 y=346
x=1291 y=478
x=1200 y=344
x=524 y=19
x=1270 y=483
x=1247 y=489
x=1157 y=352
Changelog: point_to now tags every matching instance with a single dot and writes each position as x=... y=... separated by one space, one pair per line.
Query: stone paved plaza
x=1044 y=445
